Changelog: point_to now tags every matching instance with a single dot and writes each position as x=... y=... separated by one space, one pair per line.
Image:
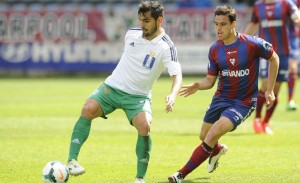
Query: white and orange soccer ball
x=55 y=171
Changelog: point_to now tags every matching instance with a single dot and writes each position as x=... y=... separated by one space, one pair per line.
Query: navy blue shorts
x=231 y=109
x=283 y=71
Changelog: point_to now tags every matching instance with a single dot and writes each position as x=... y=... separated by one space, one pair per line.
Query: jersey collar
x=157 y=38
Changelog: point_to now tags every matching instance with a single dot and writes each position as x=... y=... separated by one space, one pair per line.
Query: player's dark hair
x=226 y=10
x=155 y=7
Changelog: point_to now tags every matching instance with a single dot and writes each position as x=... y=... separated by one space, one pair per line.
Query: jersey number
x=148 y=62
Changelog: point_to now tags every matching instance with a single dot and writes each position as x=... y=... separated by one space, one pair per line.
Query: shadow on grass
x=185 y=134
x=229 y=134
x=241 y=134
x=195 y=180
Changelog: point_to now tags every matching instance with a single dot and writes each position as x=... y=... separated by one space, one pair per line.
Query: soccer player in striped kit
x=148 y=52
x=293 y=62
x=272 y=18
x=234 y=60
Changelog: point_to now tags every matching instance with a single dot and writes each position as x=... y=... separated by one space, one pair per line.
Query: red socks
x=291 y=84
x=260 y=103
x=216 y=149
x=269 y=112
x=200 y=154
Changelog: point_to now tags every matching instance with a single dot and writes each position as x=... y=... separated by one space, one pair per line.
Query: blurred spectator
x=186 y=3
x=195 y=3
x=113 y=24
x=129 y=17
x=224 y=1
x=204 y=3
x=251 y=2
x=247 y=2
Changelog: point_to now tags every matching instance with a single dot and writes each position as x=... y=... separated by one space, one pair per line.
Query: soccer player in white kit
x=148 y=52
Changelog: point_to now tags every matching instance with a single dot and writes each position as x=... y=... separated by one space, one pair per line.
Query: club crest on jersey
x=149 y=61
x=270 y=13
x=152 y=54
x=232 y=61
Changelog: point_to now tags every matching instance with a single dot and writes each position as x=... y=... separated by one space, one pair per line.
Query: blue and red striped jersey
x=273 y=19
x=237 y=66
x=294 y=29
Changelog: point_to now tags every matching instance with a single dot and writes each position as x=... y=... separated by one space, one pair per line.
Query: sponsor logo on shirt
x=271 y=23
x=230 y=52
x=236 y=73
x=269 y=7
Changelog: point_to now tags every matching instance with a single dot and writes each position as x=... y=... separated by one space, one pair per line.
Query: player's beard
x=151 y=33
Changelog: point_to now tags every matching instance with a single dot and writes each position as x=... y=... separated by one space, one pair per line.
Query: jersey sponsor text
x=236 y=73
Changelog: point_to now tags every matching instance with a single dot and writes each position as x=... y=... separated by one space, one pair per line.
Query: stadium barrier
x=92 y=40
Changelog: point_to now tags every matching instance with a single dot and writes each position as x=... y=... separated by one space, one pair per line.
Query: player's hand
x=270 y=98
x=187 y=90
x=170 y=101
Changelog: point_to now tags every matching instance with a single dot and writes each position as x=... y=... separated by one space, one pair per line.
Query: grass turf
x=37 y=117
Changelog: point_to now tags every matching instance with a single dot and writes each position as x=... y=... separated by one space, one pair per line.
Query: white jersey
x=142 y=63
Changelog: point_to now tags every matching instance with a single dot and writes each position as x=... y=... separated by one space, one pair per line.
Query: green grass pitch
x=37 y=117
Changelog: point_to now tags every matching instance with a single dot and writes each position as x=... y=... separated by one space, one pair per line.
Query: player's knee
x=144 y=129
x=89 y=111
x=202 y=137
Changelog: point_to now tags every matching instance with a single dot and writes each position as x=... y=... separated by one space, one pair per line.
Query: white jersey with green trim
x=142 y=63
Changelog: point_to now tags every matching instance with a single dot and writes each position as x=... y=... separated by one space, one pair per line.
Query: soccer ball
x=55 y=171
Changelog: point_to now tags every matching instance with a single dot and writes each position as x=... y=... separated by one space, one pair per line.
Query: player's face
x=224 y=29
x=149 y=25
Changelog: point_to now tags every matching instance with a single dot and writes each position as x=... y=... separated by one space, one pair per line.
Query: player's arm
x=204 y=84
x=251 y=28
x=273 y=70
x=170 y=99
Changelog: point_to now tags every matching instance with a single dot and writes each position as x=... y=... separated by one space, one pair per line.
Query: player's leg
x=192 y=163
x=293 y=71
x=261 y=97
x=265 y=122
x=139 y=113
x=82 y=127
x=90 y=110
x=142 y=122
x=218 y=150
x=230 y=116
x=257 y=125
x=236 y=115
x=293 y=76
x=257 y=122
x=223 y=126
x=281 y=77
x=203 y=151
